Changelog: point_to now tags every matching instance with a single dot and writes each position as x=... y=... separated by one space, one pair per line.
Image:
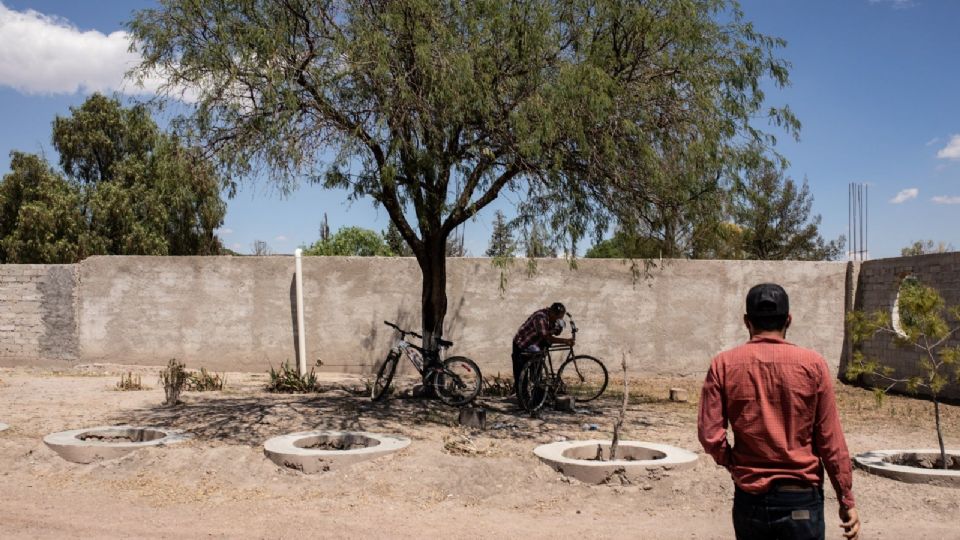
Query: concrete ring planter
x=319 y=451
x=108 y=442
x=636 y=458
x=880 y=462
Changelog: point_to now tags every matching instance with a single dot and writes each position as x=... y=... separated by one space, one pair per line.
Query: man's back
x=779 y=401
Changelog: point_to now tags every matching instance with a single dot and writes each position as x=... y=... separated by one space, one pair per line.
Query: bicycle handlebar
x=402 y=331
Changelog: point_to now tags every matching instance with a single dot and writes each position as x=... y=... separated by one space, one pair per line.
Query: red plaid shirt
x=534 y=330
x=778 y=399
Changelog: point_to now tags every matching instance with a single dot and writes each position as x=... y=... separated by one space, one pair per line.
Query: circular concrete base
x=577 y=459
x=880 y=462
x=3 y=426
x=107 y=442
x=319 y=451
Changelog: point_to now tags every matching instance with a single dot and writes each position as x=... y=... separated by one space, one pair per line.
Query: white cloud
x=946 y=199
x=236 y=246
x=896 y=4
x=951 y=150
x=280 y=238
x=225 y=231
x=932 y=141
x=43 y=54
x=905 y=195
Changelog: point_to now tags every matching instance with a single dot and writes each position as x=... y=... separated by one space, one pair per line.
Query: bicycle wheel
x=532 y=386
x=459 y=380
x=384 y=376
x=583 y=377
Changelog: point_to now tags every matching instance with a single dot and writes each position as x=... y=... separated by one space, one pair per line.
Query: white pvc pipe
x=301 y=338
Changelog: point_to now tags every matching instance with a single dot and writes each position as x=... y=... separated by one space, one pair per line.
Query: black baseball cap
x=767 y=300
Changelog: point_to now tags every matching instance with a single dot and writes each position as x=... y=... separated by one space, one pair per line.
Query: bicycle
x=456 y=380
x=582 y=377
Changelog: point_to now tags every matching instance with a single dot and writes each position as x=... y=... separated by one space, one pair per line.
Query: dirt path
x=449 y=482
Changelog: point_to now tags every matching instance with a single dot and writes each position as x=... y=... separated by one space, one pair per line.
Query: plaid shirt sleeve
x=828 y=440
x=712 y=419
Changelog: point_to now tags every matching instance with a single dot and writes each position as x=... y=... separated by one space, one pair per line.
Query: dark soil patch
x=925 y=461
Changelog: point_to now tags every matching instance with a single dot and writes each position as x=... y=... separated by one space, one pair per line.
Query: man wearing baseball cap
x=778 y=400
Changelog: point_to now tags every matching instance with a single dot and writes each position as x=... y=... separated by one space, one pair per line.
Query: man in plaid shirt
x=537 y=332
x=778 y=400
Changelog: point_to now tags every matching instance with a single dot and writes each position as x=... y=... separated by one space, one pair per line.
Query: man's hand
x=850 y=521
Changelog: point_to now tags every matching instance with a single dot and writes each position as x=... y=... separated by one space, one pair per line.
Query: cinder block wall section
x=38 y=315
x=238 y=313
x=877 y=287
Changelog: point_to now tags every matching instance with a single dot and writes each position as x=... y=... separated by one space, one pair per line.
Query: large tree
x=433 y=108
x=145 y=192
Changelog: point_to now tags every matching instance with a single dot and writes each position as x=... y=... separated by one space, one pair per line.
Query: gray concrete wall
x=876 y=289
x=38 y=314
x=237 y=313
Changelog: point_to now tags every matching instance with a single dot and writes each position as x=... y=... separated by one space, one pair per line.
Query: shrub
x=130 y=382
x=173 y=378
x=203 y=380
x=288 y=380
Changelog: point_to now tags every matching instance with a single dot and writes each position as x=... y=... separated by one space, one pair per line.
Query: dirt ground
x=450 y=482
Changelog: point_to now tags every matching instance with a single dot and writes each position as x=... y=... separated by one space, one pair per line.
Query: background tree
x=774 y=214
x=535 y=243
x=433 y=108
x=260 y=248
x=144 y=191
x=351 y=241
x=501 y=239
x=127 y=188
x=40 y=217
x=398 y=246
x=924 y=326
x=324 y=229
x=921 y=247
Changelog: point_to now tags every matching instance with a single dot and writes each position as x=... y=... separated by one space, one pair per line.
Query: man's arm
x=712 y=420
x=828 y=440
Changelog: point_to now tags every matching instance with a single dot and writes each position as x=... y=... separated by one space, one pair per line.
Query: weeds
x=130 y=382
x=287 y=380
x=173 y=378
x=203 y=381
x=498 y=386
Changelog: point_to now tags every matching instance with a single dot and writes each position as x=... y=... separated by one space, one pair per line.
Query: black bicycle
x=582 y=377
x=456 y=380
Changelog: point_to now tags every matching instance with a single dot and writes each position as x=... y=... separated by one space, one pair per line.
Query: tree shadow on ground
x=252 y=418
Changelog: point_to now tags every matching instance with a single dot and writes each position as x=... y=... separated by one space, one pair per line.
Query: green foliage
x=584 y=109
x=129 y=189
x=287 y=380
x=501 y=239
x=351 y=241
x=395 y=242
x=130 y=382
x=173 y=378
x=40 y=217
x=203 y=380
x=924 y=327
x=625 y=245
x=775 y=216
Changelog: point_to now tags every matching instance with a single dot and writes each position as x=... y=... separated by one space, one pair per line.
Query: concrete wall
x=238 y=313
x=38 y=314
x=877 y=286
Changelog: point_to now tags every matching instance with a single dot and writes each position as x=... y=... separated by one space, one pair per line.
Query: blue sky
x=875 y=84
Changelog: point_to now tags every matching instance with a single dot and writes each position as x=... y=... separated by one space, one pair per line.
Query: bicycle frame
x=415 y=354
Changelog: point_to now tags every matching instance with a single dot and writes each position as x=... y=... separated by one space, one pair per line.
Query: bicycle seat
x=444 y=343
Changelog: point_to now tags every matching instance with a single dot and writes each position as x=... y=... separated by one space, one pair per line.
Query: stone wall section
x=38 y=314
x=877 y=286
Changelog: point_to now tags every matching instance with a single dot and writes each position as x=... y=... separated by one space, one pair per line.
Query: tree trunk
x=936 y=415
x=433 y=266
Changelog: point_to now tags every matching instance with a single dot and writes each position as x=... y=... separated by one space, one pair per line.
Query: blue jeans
x=784 y=512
